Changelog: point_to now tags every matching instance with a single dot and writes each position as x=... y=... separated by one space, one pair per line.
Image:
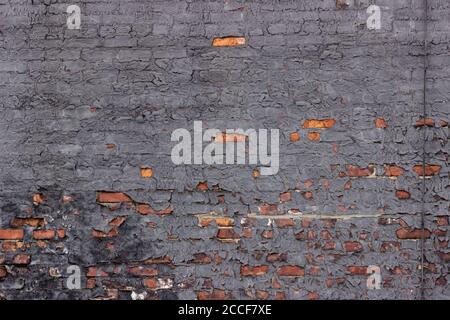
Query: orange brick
x=228 y=42
x=11 y=234
x=146 y=172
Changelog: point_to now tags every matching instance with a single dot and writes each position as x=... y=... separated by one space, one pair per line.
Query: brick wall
x=86 y=178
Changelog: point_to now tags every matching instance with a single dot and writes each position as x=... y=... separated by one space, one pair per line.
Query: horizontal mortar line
x=314 y=216
x=294 y=216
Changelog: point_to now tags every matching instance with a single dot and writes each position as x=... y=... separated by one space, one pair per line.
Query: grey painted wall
x=82 y=111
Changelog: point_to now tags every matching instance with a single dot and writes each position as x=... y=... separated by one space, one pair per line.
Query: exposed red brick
x=96 y=272
x=267 y=234
x=331 y=245
x=276 y=257
x=224 y=221
x=285 y=196
x=291 y=271
x=314 y=136
x=22 y=259
x=61 y=233
x=38 y=198
x=44 y=234
x=32 y=222
x=326 y=235
x=319 y=124
x=355 y=171
x=285 y=223
x=405 y=233
x=442 y=221
x=279 y=295
x=117 y=221
x=357 y=270
x=247 y=232
x=112 y=197
x=216 y=294
x=11 y=234
x=352 y=246
x=201 y=258
x=141 y=271
x=348 y=185
x=146 y=172
x=341 y=4
x=262 y=295
x=228 y=42
x=425 y=122
x=202 y=186
x=227 y=234
x=402 y=194
x=268 y=209
x=253 y=271
x=159 y=260
x=393 y=171
x=3 y=272
x=430 y=170
x=101 y=234
x=294 y=137
x=230 y=137
x=380 y=123
x=313 y=295
x=307 y=195
x=11 y=246
x=146 y=209
x=443 y=123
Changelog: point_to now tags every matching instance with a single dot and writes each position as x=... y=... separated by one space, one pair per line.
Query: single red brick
x=442 y=221
x=405 y=233
x=319 y=124
x=22 y=259
x=117 y=221
x=228 y=42
x=314 y=136
x=355 y=171
x=291 y=271
x=425 y=122
x=285 y=223
x=142 y=271
x=112 y=197
x=11 y=234
x=380 y=123
x=430 y=170
x=96 y=272
x=331 y=245
x=32 y=222
x=276 y=257
x=357 y=270
x=216 y=294
x=352 y=246
x=402 y=194
x=285 y=196
x=313 y=296
x=393 y=171
x=294 y=137
x=202 y=186
x=227 y=234
x=268 y=209
x=201 y=258
x=253 y=271
x=44 y=234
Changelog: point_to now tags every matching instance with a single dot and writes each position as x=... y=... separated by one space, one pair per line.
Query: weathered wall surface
x=86 y=177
